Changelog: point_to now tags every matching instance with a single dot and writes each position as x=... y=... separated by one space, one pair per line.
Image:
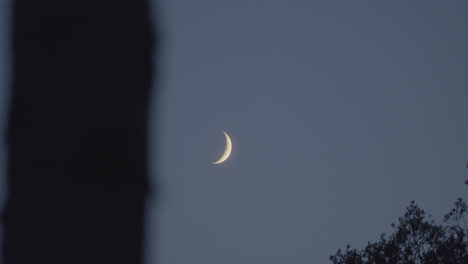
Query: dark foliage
x=416 y=240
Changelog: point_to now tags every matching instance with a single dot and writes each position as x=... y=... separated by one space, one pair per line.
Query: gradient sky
x=4 y=93
x=340 y=114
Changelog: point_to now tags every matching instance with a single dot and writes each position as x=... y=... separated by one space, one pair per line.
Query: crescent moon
x=227 y=151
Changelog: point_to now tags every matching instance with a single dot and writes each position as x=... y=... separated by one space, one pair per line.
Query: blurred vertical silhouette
x=77 y=132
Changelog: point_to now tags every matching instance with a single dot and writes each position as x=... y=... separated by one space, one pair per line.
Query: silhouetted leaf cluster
x=416 y=240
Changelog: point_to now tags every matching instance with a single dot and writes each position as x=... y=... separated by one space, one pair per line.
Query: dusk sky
x=340 y=114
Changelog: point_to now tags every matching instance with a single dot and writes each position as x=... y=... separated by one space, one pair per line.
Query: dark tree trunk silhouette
x=77 y=132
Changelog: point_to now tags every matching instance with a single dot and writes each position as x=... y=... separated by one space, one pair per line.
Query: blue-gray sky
x=340 y=113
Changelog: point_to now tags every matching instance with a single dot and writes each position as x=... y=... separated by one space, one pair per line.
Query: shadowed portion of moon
x=227 y=151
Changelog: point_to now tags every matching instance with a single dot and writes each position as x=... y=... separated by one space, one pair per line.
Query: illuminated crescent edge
x=227 y=151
